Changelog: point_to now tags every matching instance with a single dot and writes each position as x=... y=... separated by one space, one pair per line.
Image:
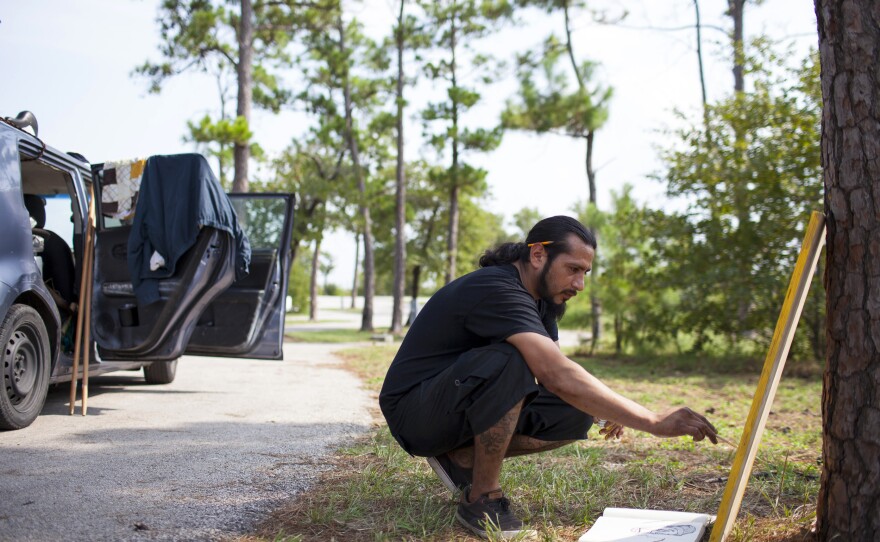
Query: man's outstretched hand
x=611 y=430
x=684 y=421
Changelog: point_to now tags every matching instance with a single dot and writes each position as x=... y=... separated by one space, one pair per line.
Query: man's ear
x=537 y=255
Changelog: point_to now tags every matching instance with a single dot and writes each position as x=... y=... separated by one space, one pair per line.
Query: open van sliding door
x=247 y=319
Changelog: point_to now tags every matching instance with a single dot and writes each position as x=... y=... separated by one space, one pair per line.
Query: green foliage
x=625 y=264
x=300 y=278
x=330 y=336
x=334 y=61
x=325 y=267
x=549 y=105
x=750 y=181
x=712 y=277
x=217 y=139
x=481 y=230
x=456 y=26
x=524 y=219
x=310 y=172
x=427 y=211
x=201 y=35
x=426 y=215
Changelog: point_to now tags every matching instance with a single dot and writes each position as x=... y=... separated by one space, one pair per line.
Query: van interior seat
x=58 y=266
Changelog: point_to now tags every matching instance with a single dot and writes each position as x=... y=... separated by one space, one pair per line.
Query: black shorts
x=469 y=397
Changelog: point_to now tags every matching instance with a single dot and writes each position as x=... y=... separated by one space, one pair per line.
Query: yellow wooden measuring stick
x=82 y=347
x=797 y=292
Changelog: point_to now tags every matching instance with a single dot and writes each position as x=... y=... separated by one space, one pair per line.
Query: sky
x=71 y=64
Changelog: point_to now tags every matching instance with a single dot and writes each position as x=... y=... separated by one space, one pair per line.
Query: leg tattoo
x=490 y=447
x=523 y=445
x=495 y=439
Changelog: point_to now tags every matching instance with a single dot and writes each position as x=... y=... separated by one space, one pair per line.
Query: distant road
x=334 y=312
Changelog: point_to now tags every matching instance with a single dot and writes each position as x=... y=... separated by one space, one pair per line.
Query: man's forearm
x=577 y=387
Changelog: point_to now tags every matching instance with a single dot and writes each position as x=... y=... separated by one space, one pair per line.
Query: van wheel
x=24 y=362
x=160 y=372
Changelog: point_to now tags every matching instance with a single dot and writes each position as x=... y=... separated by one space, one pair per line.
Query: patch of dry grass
x=377 y=492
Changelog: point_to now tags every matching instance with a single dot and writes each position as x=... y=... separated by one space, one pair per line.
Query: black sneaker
x=491 y=513
x=455 y=478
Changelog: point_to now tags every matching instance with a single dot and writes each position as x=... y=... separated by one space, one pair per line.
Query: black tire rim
x=21 y=364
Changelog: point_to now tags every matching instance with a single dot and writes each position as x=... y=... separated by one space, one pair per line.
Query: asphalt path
x=203 y=458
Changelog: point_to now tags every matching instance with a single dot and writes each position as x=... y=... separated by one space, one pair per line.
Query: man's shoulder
x=495 y=273
x=490 y=283
x=475 y=287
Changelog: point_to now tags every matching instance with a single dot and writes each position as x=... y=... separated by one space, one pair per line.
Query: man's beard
x=556 y=310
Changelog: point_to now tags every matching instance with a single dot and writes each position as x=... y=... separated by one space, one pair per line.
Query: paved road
x=203 y=458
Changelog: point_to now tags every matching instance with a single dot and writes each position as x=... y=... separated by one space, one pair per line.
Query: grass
x=377 y=492
x=329 y=336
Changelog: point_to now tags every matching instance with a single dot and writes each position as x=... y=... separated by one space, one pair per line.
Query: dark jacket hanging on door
x=178 y=196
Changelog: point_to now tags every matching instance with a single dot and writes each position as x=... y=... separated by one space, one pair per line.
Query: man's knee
x=550 y=418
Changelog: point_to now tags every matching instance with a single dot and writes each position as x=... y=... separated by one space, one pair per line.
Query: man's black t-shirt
x=477 y=309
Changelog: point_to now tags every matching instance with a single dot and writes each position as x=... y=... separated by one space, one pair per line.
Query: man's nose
x=579 y=283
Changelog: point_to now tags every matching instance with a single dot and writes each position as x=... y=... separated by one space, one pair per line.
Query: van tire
x=160 y=372
x=25 y=360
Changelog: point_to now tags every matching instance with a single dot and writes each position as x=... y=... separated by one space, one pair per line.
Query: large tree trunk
x=849 y=48
x=242 y=152
x=363 y=208
x=400 y=196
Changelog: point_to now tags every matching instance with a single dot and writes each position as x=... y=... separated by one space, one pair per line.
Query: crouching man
x=480 y=376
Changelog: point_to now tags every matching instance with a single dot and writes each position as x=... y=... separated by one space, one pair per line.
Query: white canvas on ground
x=633 y=525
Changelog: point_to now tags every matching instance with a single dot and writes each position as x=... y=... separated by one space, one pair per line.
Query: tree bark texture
x=245 y=68
x=400 y=196
x=849 y=49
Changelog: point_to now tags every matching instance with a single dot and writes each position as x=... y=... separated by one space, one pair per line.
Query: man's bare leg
x=488 y=452
x=519 y=445
x=523 y=445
